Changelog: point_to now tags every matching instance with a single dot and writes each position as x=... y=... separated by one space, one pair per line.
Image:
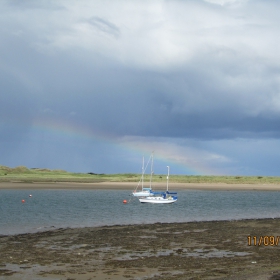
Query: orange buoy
x=124 y=201
x=22 y=200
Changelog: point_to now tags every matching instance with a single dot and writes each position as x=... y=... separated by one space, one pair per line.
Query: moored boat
x=145 y=191
x=161 y=197
x=165 y=197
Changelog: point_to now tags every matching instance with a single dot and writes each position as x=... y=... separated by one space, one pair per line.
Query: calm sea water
x=48 y=209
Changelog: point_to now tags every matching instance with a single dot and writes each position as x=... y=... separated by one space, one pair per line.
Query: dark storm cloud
x=125 y=101
x=184 y=108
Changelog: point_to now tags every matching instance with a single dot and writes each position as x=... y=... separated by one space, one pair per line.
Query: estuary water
x=50 y=209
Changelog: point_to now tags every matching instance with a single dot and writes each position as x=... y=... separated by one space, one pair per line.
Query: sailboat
x=161 y=197
x=145 y=192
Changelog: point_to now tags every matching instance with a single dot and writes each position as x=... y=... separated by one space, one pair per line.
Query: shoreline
x=132 y=185
x=192 y=250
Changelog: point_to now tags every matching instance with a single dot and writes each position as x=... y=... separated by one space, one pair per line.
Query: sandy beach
x=195 y=250
x=132 y=185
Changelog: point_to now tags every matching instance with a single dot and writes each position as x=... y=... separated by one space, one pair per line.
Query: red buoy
x=124 y=201
x=22 y=200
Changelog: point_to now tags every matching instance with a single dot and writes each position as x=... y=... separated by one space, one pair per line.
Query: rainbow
x=134 y=148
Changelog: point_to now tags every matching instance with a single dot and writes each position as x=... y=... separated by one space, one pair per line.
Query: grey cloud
x=151 y=109
x=105 y=26
x=192 y=101
x=33 y=4
x=219 y=84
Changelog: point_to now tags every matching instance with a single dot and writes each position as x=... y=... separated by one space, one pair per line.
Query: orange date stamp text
x=266 y=240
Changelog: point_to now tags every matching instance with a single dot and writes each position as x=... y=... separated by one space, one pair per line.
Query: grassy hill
x=24 y=174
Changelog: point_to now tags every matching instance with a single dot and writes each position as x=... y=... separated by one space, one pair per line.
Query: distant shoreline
x=132 y=185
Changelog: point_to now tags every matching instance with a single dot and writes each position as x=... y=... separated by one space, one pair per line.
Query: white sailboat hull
x=142 y=194
x=157 y=199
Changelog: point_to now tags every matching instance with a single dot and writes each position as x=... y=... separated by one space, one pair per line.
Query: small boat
x=161 y=197
x=164 y=198
x=145 y=192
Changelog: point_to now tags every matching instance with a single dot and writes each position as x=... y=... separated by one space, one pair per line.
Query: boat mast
x=142 y=179
x=152 y=163
x=167 y=178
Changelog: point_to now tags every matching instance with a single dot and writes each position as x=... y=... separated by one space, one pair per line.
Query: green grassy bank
x=24 y=174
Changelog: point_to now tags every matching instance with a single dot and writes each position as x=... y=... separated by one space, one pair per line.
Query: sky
x=93 y=86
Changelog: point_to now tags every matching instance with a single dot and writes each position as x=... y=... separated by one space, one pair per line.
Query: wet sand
x=195 y=250
x=132 y=185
